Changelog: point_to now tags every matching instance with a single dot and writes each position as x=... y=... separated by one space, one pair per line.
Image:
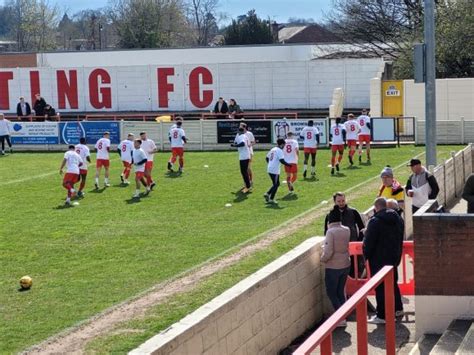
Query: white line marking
x=41 y=176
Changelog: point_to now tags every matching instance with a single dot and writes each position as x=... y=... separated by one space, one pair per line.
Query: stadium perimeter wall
x=257 y=85
x=265 y=312
x=260 y=315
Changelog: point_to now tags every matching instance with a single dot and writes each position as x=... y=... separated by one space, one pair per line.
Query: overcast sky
x=278 y=10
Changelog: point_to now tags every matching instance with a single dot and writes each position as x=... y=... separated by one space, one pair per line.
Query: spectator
x=221 y=107
x=49 y=112
x=383 y=244
x=23 y=109
x=39 y=105
x=5 y=133
x=391 y=188
x=468 y=193
x=234 y=110
x=421 y=185
x=393 y=205
x=350 y=218
x=336 y=259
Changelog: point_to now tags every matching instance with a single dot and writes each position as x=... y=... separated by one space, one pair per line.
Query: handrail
x=32 y=118
x=323 y=335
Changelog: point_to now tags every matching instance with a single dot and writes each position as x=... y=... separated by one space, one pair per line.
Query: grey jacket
x=336 y=247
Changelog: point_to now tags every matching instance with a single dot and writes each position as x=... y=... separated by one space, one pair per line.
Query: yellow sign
x=392 y=98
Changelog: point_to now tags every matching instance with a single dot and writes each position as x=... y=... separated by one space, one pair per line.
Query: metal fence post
x=202 y=134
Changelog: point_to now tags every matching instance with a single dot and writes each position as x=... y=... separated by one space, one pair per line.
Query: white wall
x=231 y=54
x=263 y=86
x=454 y=99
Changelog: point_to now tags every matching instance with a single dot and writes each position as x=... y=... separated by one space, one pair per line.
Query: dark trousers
x=275 y=183
x=244 y=170
x=335 y=280
x=7 y=138
x=380 y=292
x=414 y=209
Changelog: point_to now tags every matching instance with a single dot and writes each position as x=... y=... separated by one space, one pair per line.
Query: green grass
x=90 y=257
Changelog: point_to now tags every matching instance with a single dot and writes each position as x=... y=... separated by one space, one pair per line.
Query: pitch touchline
x=34 y=177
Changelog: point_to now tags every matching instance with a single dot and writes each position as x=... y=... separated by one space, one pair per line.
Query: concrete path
x=345 y=339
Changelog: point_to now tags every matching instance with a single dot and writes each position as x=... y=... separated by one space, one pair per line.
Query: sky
x=277 y=10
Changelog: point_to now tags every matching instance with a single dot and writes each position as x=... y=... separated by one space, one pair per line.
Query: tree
x=249 y=29
x=300 y=21
x=33 y=24
x=389 y=28
x=202 y=15
x=148 y=23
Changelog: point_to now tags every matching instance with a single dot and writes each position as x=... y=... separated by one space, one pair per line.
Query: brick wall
x=260 y=315
x=444 y=254
x=26 y=60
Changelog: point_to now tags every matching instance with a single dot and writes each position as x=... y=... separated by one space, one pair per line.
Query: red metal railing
x=406 y=281
x=56 y=118
x=323 y=335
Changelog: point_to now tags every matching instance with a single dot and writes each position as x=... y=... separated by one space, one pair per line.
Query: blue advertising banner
x=70 y=132
x=34 y=133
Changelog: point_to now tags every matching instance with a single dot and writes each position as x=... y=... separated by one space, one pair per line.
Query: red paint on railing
x=406 y=282
x=323 y=335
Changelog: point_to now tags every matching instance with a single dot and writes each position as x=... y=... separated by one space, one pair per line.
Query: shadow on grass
x=173 y=174
x=121 y=185
x=367 y=163
x=63 y=207
x=98 y=191
x=353 y=167
x=339 y=175
x=274 y=206
x=290 y=197
x=240 y=196
x=133 y=200
x=311 y=179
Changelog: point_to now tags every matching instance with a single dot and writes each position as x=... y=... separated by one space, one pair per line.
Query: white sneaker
x=106 y=184
x=136 y=195
x=126 y=182
x=376 y=320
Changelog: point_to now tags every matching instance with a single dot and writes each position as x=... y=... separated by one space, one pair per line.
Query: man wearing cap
x=391 y=188
x=421 y=185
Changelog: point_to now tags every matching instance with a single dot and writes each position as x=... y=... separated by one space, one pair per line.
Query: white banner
x=282 y=127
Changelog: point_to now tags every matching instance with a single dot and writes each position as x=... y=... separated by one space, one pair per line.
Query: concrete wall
x=260 y=315
x=454 y=131
x=453 y=99
x=257 y=85
x=443 y=252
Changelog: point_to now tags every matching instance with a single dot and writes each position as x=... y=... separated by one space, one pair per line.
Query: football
x=26 y=282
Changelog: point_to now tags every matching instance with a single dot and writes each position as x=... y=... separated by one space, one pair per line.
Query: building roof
x=313 y=33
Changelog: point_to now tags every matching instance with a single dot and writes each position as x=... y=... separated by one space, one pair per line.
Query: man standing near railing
x=383 y=245
x=421 y=185
x=468 y=193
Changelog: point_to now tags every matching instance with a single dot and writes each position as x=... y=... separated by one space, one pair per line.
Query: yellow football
x=26 y=282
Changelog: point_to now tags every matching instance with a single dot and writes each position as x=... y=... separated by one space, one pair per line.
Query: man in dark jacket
x=221 y=107
x=39 y=105
x=421 y=185
x=350 y=218
x=468 y=193
x=23 y=108
x=383 y=245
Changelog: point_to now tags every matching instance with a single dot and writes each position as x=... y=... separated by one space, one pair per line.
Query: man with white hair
x=5 y=132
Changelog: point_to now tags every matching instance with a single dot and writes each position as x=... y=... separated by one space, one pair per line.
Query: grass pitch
x=110 y=247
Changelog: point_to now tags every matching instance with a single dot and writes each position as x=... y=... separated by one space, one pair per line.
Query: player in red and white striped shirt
x=149 y=147
x=177 y=139
x=290 y=153
x=84 y=152
x=103 y=160
x=310 y=135
x=125 y=151
x=337 y=135
x=352 y=132
x=72 y=161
